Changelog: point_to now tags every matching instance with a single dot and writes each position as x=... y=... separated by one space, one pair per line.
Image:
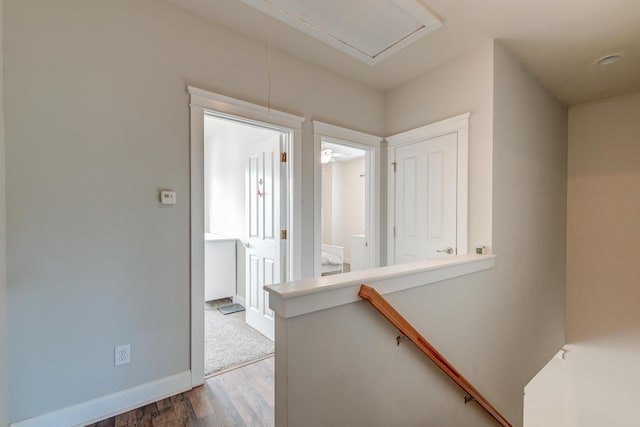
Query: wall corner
x=4 y=392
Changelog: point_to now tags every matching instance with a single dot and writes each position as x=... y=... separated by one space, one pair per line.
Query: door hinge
x=283 y=234
x=283 y=157
x=395 y=166
x=394 y=231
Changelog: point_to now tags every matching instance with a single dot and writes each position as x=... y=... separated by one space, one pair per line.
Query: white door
x=264 y=262
x=425 y=199
x=360 y=257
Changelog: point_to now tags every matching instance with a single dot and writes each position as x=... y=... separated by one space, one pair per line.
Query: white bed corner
x=332 y=260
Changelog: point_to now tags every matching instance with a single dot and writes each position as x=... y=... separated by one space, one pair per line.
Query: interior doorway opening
x=345 y=229
x=245 y=213
x=348 y=196
x=203 y=103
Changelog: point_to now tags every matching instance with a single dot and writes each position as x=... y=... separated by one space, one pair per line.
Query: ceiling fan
x=327 y=155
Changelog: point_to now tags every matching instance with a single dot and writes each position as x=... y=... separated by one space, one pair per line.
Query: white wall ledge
x=300 y=297
x=210 y=237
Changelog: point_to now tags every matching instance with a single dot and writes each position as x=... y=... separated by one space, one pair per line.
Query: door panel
x=435 y=195
x=268 y=195
x=425 y=198
x=254 y=199
x=409 y=202
x=264 y=253
x=253 y=279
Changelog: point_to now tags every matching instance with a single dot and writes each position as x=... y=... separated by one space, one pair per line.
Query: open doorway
x=245 y=195
x=347 y=200
x=272 y=192
x=343 y=201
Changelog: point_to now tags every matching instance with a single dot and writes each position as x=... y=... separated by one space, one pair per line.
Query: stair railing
x=379 y=303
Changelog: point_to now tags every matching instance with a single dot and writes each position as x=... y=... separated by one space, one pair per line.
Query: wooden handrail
x=379 y=303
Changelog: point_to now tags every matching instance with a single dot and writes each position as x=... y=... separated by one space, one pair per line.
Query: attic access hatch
x=368 y=30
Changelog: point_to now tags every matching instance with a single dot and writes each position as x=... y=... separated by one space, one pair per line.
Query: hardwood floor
x=241 y=397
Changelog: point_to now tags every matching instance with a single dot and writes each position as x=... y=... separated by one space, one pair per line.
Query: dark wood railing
x=376 y=300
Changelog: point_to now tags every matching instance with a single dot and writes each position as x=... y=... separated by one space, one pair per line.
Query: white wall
x=596 y=383
x=4 y=386
x=344 y=368
x=344 y=203
x=529 y=216
x=603 y=213
x=348 y=206
x=97 y=121
x=497 y=327
x=227 y=146
x=326 y=217
x=337 y=220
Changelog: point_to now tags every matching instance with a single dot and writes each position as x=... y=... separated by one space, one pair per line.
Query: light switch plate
x=168 y=197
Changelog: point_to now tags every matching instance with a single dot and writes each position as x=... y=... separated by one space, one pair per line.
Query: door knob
x=247 y=245
x=448 y=250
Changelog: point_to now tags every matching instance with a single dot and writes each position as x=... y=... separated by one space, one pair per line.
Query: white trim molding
x=224 y=104
x=373 y=146
x=459 y=125
x=432 y=130
x=204 y=102
x=346 y=135
x=113 y=404
x=197 y=243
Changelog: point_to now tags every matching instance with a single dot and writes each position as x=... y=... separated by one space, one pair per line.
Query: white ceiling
x=346 y=152
x=559 y=41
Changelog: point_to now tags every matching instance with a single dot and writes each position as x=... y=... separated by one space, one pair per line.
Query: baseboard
x=113 y=404
x=237 y=299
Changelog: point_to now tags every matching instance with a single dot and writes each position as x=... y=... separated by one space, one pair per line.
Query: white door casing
x=427 y=191
x=264 y=262
x=203 y=102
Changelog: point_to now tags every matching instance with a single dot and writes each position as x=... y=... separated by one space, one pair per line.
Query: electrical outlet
x=122 y=355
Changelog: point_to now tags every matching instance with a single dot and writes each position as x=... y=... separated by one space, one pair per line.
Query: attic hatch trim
x=413 y=8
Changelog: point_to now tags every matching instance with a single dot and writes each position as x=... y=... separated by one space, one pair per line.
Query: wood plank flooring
x=241 y=397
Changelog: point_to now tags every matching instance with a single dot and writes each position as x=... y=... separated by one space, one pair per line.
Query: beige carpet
x=229 y=341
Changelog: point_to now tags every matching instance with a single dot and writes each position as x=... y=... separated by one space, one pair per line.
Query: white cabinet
x=360 y=259
x=219 y=267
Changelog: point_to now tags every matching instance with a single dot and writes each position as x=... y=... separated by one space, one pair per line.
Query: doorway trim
x=202 y=101
x=460 y=126
x=370 y=143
